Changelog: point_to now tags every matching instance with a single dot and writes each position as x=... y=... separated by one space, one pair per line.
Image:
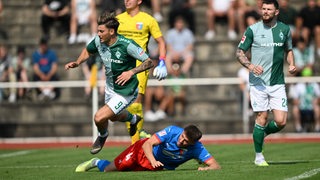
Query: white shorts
x=264 y=98
x=118 y=102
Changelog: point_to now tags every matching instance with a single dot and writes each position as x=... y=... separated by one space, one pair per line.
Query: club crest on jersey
x=139 y=25
x=140 y=51
x=281 y=35
x=118 y=54
x=243 y=39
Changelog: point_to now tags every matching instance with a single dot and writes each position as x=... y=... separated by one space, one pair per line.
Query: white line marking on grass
x=18 y=153
x=305 y=175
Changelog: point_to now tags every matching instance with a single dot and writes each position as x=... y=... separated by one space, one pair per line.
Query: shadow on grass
x=287 y=162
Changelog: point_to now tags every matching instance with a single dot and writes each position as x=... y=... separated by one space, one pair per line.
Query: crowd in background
x=75 y=20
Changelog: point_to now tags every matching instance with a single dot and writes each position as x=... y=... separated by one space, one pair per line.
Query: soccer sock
x=102 y=164
x=129 y=118
x=136 y=108
x=258 y=137
x=272 y=128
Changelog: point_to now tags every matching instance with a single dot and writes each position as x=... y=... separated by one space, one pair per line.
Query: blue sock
x=102 y=164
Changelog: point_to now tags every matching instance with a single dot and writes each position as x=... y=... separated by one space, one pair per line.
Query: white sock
x=104 y=135
x=95 y=162
x=134 y=119
x=259 y=157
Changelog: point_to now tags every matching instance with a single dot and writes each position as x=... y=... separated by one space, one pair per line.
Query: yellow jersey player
x=139 y=26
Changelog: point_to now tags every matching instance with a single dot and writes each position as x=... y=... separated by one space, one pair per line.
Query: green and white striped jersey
x=117 y=58
x=269 y=46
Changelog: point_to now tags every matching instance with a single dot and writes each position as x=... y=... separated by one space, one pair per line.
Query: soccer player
x=270 y=41
x=139 y=26
x=166 y=149
x=118 y=54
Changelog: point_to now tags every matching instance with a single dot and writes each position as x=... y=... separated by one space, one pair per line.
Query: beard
x=267 y=19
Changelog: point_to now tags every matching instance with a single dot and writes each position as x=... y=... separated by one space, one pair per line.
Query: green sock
x=258 y=137
x=272 y=128
x=129 y=117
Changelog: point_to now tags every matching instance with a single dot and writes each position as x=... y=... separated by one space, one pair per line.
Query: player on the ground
x=139 y=26
x=166 y=149
x=118 y=55
x=270 y=42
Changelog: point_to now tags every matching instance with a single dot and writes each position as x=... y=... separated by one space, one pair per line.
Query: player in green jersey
x=118 y=54
x=270 y=41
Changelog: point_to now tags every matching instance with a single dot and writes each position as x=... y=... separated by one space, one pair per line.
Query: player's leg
x=259 y=103
x=278 y=104
x=101 y=119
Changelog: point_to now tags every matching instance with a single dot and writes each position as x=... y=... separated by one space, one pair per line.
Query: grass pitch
x=289 y=161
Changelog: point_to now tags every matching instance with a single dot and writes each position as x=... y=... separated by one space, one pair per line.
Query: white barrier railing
x=153 y=82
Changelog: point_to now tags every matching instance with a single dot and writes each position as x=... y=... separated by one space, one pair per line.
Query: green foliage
x=286 y=161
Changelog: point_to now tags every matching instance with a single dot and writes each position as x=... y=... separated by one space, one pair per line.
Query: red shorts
x=134 y=159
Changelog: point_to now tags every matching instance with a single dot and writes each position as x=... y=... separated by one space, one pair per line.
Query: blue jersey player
x=166 y=149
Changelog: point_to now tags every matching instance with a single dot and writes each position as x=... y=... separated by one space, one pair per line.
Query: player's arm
x=82 y=58
x=148 y=150
x=125 y=76
x=245 y=62
x=160 y=72
x=212 y=164
x=290 y=59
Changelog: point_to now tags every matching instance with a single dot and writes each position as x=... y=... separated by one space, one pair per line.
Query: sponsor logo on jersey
x=272 y=44
x=162 y=133
x=243 y=39
x=139 y=25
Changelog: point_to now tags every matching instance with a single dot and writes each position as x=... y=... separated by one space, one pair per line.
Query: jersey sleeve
x=164 y=135
x=137 y=52
x=246 y=40
x=92 y=48
x=201 y=153
x=155 y=29
x=289 y=40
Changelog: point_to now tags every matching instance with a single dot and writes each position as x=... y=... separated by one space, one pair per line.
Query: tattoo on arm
x=242 y=58
x=147 y=64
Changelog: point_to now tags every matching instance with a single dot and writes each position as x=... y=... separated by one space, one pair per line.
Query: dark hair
x=109 y=20
x=193 y=133
x=43 y=40
x=274 y=2
x=21 y=49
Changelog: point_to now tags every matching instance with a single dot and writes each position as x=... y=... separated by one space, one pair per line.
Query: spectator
x=45 y=66
x=21 y=65
x=253 y=11
x=288 y=15
x=93 y=67
x=155 y=6
x=113 y=6
x=83 y=12
x=306 y=98
x=6 y=74
x=155 y=103
x=176 y=93
x=304 y=56
x=243 y=75
x=179 y=41
x=182 y=8
x=222 y=10
x=3 y=33
x=308 y=24
x=55 y=11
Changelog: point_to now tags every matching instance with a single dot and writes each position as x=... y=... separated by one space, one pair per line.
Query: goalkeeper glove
x=160 y=72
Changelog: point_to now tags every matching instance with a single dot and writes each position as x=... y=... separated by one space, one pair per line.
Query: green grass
x=286 y=161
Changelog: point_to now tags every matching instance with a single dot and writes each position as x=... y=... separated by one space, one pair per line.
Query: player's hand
x=124 y=77
x=71 y=65
x=257 y=70
x=156 y=164
x=160 y=72
x=292 y=69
